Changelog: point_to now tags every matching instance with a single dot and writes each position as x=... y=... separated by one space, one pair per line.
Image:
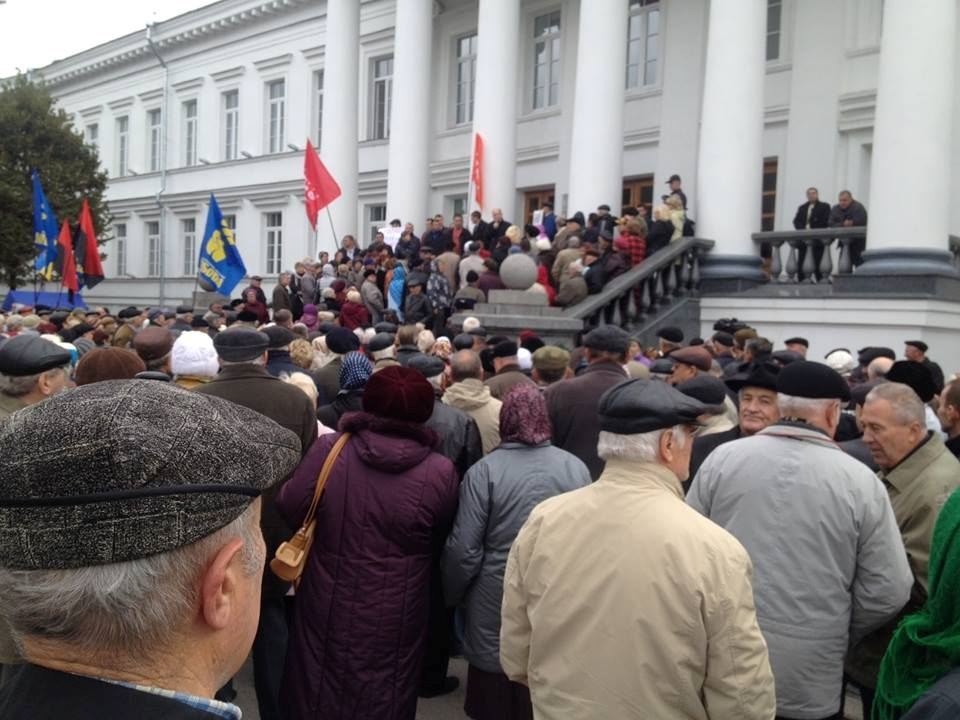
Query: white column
x=338 y=132
x=495 y=112
x=408 y=169
x=730 y=164
x=596 y=147
x=912 y=133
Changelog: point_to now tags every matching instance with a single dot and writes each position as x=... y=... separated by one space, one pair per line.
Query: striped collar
x=227 y=711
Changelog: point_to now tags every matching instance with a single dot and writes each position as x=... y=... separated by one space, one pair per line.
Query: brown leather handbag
x=291 y=556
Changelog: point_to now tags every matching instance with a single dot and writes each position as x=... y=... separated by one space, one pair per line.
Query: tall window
x=231 y=123
x=120 y=235
x=466 y=77
x=154 y=130
x=123 y=145
x=643 y=43
x=376 y=219
x=231 y=221
x=188 y=229
x=92 y=135
x=190 y=133
x=153 y=248
x=380 y=98
x=546 y=60
x=768 y=208
x=774 y=22
x=459 y=205
x=276 y=112
x=317 y=106
x=274 y=228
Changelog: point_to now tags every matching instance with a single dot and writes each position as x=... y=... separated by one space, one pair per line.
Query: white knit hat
x=193 y=354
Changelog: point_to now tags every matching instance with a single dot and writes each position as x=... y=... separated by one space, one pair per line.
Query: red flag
x=476 y=172
x=86 y=250
x=65 y=262
x=319 y=187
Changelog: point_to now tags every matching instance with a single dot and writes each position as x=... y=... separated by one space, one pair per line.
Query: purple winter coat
x=360 y=617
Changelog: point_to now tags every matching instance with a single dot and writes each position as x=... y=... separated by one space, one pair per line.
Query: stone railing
x=672 y=272
x=811 y=239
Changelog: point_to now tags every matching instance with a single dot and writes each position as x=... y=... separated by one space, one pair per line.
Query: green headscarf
x=926 y=645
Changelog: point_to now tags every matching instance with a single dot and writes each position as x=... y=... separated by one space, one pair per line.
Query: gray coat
x=372 y=300
x=496 y=497
x=828 y=561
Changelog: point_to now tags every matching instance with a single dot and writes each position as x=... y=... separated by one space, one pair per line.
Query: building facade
x=578 y=102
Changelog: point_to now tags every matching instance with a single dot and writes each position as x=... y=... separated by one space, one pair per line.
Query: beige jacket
x=622 y=602
x=474 y=398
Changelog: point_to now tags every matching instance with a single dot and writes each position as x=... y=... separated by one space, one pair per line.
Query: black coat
x=819 y=218
x=659 y=236
x=346 y=401
x=703 y=446
x=459 y=436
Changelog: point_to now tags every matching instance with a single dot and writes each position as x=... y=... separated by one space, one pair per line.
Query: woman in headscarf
x=496 y=496
x=398 y=280
x=309 y=317
x=355 y=370
x=327 y=276
x=439 y=296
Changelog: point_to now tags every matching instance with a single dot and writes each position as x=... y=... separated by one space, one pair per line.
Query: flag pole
x=330 y=217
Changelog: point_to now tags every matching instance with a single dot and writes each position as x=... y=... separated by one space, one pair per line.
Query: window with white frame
x=153 y=147
x=458 y=205
x=774 y=28
x=546 y=60
x=190 y=133
x=380 y=97
x=92 y=135
x=273 y=224
x=466 y=77
x=153 y=248
x=120 y=236
x=643 y=43
x=317 y=106
x=123 y=145
x=376 y=219
x=188 y=231
x=276 y=115
x=231 y=123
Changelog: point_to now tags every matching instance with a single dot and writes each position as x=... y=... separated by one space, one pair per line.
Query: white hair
x=303 y=382
x=801 y=407
x=126 y=609
x=425 y=341
x=641 y=447
x=470 y=323
x=20 y=385
x=388 y=352
x=907 y=406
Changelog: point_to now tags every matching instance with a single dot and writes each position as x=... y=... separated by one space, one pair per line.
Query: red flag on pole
x=319 y=187
x=66 y=264
x=86 y=250
x=476 y=172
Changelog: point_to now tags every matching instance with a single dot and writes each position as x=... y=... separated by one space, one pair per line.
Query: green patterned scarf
x=926 y=645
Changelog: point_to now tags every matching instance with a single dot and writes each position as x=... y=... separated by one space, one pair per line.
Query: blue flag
x=45 y=230
x=221 y=266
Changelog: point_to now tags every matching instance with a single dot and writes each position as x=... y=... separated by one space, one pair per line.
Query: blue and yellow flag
x=221 y=266
x=45 y=230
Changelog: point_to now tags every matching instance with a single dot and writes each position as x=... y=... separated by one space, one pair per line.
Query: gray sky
x=34 y=33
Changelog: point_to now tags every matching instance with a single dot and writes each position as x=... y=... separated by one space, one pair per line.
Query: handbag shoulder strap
x=328 y=464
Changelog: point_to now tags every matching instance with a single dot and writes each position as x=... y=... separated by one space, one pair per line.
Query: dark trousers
x=817 y=257
x=436 y=656
x=269 y=655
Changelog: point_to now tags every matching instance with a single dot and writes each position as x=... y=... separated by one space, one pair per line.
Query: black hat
x=427 y=365
x=184 y=309
x=662 y=366
x=707 y=389
x=812 y=380
x=603 y=207
x=247 y=316
x=505 y=349
x=858 y=393
x=463 y=341
x=380 y=341
x=144 y=468
x=723 y=338
x=760 y=375
x=414 y=281
x=241 y=344
x=341 y=341
x=31 y=354
x=462 y=303
x=385 y=327
x=479 y=330
x=128 y=312
x=670 y=334
x=472 y=276
x=642 y=406
x=578 y=219
x=674 y=177
x=868 y=354
x=279 y=336
x=918 y=344
x=325 y=327
x=785 y=357
x=199 y=323
x=797 y=341
x=909 y=372
x=607 y=338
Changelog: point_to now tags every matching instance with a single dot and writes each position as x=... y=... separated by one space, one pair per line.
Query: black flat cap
x=381 y=341
x=707 y=389
x=670 y=334
x=385 y=327
x=762 y=375
x=427 y=365
x=603 y=207
x=31 y=354
x=240 y=344
x=797 y=341
x=279 y=336
x=723 y=338
x=785 y=357
x=463 y=341
x=184 y=309
x=415 y=281
x=341 y=341
x=326 y=326
x=662 y=366
x=247 y=316
x=129 y=469
x=868 y=354
x=674 y=177
x=199 y=323
x=812 y=380
x=128 y=312
x=608 y=338
x=505 y=349
x=642 y=406
x=915 y=374
x=479 y=331
x=918 y=344
x=858 y=393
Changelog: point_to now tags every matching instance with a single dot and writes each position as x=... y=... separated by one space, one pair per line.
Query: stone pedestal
x=203 y=299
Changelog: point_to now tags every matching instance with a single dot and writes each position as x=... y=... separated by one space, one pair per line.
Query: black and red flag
x=89 y=267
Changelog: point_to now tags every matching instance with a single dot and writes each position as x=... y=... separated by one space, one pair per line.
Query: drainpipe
x=163 y=165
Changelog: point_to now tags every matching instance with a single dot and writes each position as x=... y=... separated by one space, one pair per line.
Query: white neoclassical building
x=578 y=101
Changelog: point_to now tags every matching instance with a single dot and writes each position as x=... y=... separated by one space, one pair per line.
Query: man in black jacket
x=811 y=215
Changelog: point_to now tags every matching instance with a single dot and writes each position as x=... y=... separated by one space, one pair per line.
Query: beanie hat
x=399 y=393
x=194 y=354
x=111 y=363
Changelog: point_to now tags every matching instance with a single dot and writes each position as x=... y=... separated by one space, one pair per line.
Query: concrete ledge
x=516 y=297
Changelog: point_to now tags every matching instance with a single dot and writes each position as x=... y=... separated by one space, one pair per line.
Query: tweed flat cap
x=125 y=469
x=608 y=338
x=427 y=365
x=241 y=344
x=642 y=406
x=551 y=357
x=381 y=341
x=812 y=380
x=153 y=343
x=699 y=357
x=279 y=336
x=31 y=354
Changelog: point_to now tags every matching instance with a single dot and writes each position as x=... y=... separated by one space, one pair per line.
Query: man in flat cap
x=92 y=548
x=132 y=319
x=619 y=600
x=551 y=364
x=573 y=403
x=183 y=319
x=153 y=345
x=244 y=380
x=820 y=530
x=721 y=345
x=278 y=352
x=32 y=369
x=507 y=369
x=916 y=350
x=798 y=345
x=919 y=473
x=669 y=339
x=688 y=362
x=383 y=350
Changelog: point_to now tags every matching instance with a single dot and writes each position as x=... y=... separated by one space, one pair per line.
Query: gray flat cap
x=241 y=344
x=608 y=338
x=707 y=389
x=642 y=406
x=31 y=354
x=279 y=336
x=124 y=469
x=427 y=365
x=381 y=341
